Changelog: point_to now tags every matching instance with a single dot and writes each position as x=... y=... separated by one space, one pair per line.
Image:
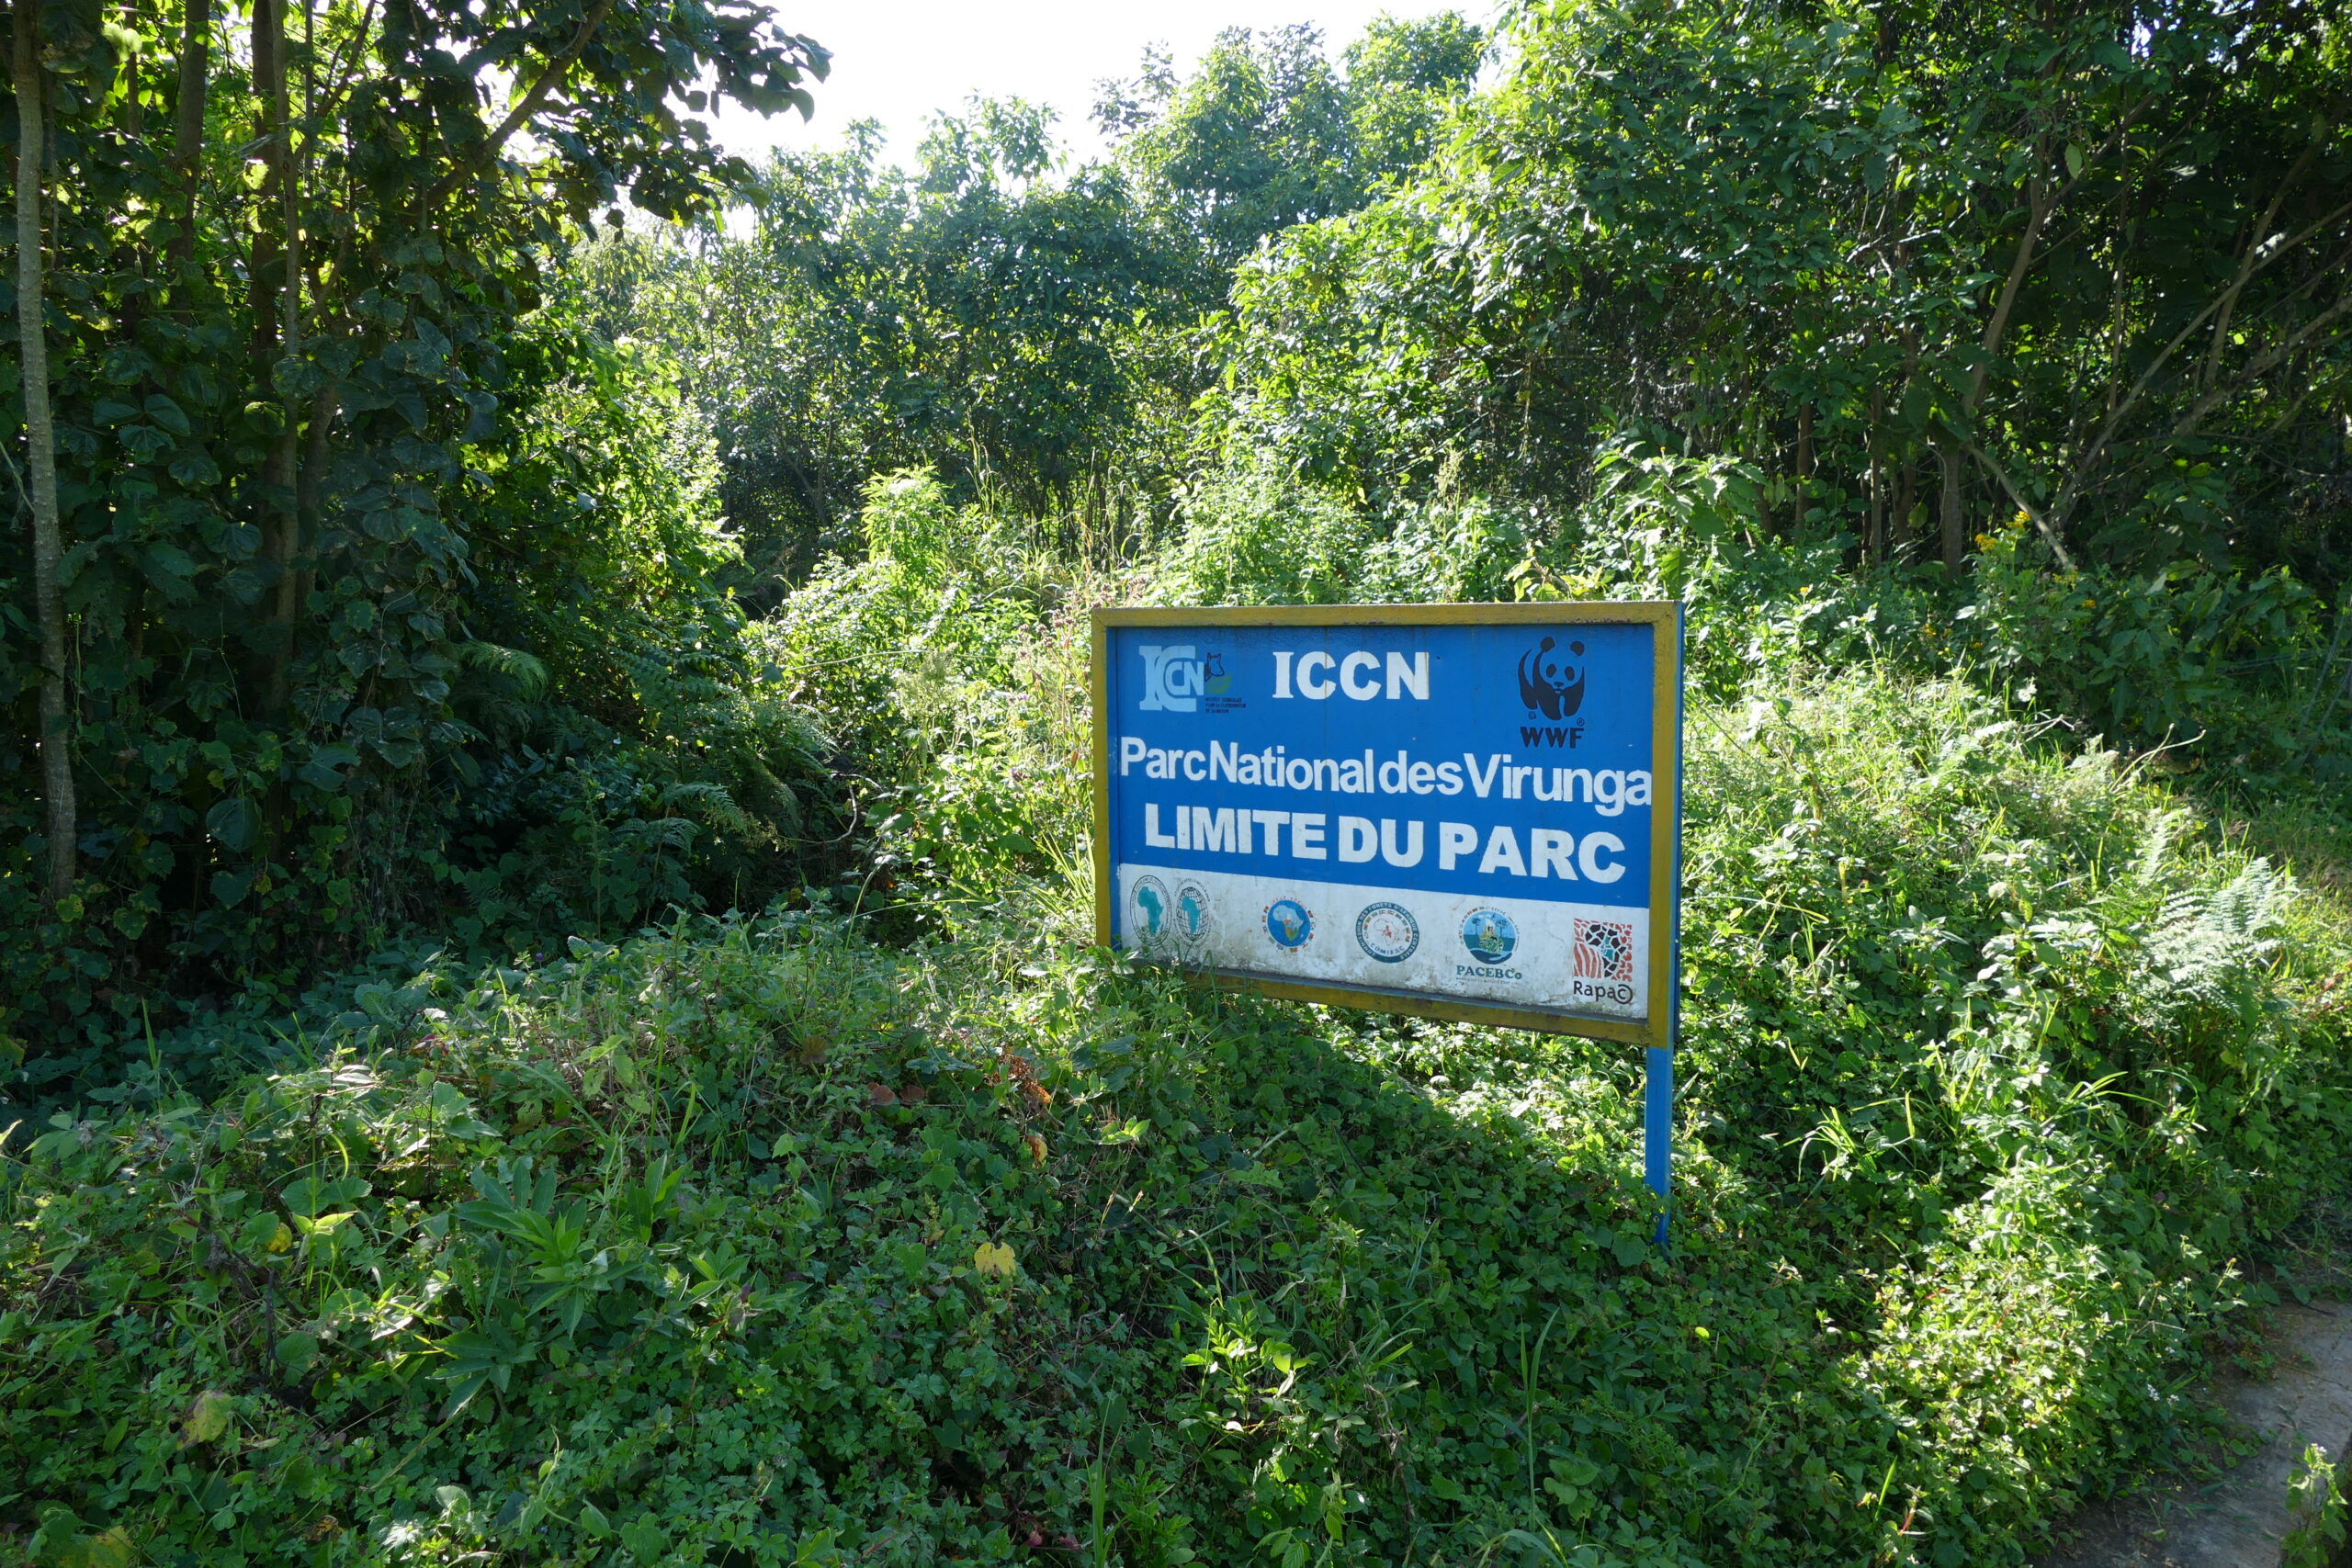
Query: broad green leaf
x=167 y=567
x=166 y=413
x=208 y=1419
x=325 y=1224
x=146 y=443
x=126 y=365
x=645 y=1540
x=309 y=1196
x=195 y=467
x=234 y=823
x=259 y=1226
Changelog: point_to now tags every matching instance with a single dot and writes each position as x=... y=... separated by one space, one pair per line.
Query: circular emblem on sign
x=1147 y=914
x=1387 y=932
x=1289 y=924
x=1190 y=918
x=1490 y=935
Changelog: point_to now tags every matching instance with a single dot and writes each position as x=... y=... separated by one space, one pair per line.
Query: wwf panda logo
x=1551 y=679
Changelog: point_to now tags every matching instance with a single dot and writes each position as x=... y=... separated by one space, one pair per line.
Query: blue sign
x=1465 y=810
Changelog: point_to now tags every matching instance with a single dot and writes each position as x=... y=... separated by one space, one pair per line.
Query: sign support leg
x=1657 y=1130
x=1658 y=1090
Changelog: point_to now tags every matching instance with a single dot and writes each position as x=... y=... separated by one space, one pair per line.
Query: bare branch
x=2257 y=259
x=2038 y=214
x=527 y=106
x=2049 y=533
x=2256 y=370
x=2253 y=245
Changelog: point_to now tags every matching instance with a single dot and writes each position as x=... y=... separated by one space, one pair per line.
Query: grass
x=763 y=1242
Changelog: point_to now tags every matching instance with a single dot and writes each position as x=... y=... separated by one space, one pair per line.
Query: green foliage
x=979 y=316
x=1917 y=272
x=1404 y=78
x=620 y=748
x=697 y=1248
x=580 y=1206
x=1266 y=135
x=1254 y=537
x=897 y=1223
x=942 y=661
x=1023 y=329
x=1258 y=535
x=668 y=769
x=2321 y=1536
x=286 y=274
x=2180 y=654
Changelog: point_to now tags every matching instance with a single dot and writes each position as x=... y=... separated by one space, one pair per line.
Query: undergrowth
x=761 y=1242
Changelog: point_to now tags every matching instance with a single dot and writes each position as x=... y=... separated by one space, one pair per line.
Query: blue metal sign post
x=1469 y=811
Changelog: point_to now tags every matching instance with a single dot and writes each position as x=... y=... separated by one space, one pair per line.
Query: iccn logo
x=1176 y=678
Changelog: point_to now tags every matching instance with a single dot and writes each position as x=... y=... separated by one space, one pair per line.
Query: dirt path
x=2238 y=1519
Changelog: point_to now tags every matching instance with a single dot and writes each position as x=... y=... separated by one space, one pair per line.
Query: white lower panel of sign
x=1561 y=957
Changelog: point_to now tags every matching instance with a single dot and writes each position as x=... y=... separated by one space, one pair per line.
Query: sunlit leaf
x=208 y=1419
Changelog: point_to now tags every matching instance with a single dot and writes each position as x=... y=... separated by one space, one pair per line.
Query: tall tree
x=284 y=300
x=1267 y=134
x=56 y=738
x=2092 y=264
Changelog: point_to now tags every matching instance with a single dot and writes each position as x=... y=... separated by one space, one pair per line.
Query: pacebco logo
x=1490 y=937
x=1176 y=678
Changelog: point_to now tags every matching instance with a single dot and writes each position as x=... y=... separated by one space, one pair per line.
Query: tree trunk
x=1906 y=489
x=40 y=440
x=1874 y=548
x=310 y=502
x=280 y=474
x=2037 y=204
x=2038 y=201
x=1953 y=535
x=265 y=255
x=134 y=109
x=188 y=128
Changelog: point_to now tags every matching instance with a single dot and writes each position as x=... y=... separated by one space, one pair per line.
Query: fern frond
x=530 y=676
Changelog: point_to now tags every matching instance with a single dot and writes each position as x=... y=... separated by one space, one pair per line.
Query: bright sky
x=897 y=61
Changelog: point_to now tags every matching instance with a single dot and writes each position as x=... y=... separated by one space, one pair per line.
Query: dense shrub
x=1996 y=1063
x=593 y=738
x=2241 y=668
x=2248 y=672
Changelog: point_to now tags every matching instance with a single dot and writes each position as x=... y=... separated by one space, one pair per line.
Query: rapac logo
x=1603 y=950
x=1603 y=959
x=1173 y=677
